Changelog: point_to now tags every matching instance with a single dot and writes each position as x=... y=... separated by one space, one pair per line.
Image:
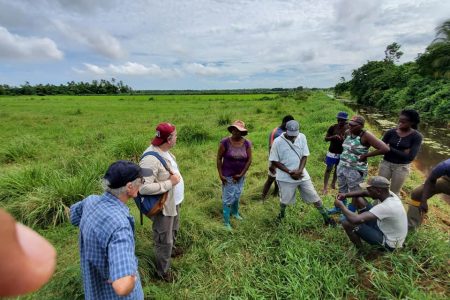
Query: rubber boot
x=235 y=210
x=282 y=213
x=226 y=216
x=336 y=210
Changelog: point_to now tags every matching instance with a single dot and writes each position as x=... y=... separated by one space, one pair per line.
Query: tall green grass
x=76 y=138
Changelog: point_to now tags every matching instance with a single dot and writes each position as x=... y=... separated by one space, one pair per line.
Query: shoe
x=238 y=217
x=168 y=277
x=228 y=227
x=330 y=222
x=177 y=252
x=334 y=210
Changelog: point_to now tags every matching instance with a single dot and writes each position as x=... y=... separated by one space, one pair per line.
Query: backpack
x=150 y=205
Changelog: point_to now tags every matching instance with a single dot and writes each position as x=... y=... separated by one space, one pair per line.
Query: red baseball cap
x=163 y=131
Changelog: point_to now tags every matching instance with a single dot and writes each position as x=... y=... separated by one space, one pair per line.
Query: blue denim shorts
x=231 y=192
x=371 y=233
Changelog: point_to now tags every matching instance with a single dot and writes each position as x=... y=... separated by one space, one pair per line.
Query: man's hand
x=338 y=203
x=340 y=196
x=236 y=177
x=423 y=208
x=362 y=157
x=175 y=179
x=296 y=174
x=223 y=179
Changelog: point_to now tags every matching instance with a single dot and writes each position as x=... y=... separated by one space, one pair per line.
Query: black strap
x=163 y=162
x=289 y=143
x=159 y=157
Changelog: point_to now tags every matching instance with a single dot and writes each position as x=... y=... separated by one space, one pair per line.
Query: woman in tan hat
x=233 y=160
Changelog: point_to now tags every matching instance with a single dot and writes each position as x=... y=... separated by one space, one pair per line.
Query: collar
x=113 y=200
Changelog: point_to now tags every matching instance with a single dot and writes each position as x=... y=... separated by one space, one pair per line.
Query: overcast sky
x=207 y=44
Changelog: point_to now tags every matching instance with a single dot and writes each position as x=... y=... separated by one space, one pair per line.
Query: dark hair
x=285 y=120
x=412 y=115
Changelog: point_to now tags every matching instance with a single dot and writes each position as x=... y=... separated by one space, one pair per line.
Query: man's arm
x=427 y=191
x=122 y=261
x=352 y=217
x=381 y=148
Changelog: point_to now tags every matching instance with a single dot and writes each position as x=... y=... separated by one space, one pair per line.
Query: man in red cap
x=166 y=222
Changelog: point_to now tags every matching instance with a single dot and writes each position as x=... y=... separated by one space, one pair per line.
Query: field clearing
x=53 y=150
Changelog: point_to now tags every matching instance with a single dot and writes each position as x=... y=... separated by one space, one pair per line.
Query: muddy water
x=436 y=140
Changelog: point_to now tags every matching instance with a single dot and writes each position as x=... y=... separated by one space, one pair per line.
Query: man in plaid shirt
x=108 y=262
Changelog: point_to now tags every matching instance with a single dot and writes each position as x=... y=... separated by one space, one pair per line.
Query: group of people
x=107 y=245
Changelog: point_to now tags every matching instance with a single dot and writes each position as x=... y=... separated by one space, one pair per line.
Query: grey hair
x=118 y=191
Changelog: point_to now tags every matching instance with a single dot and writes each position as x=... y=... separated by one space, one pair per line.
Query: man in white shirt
x=384 y=224
x=289 y=153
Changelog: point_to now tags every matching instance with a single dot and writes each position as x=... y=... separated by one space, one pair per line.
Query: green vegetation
x=423 y=84
x=71 y=88
x=54 y=149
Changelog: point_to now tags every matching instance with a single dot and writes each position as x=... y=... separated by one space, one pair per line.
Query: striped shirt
x=106 y=245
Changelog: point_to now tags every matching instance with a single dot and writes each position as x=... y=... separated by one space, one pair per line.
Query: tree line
x=95 y=87
x=422 y=84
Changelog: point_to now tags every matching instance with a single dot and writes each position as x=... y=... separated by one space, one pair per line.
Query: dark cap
x=357 y=120
x=163 y=131
x=342 y=115
x=376 y=181
x=121 y=172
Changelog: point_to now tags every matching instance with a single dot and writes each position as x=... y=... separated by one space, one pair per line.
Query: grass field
x=53 y=150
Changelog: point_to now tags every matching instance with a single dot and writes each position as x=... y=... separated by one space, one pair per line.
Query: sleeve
x=381 y=211
x=151 y=186
x=273 y=156
x=439 y=170
x=248 y=144
x=305 y=146
x=416 y=142
x=387 y=136
x=76 y=211
x=121 y=259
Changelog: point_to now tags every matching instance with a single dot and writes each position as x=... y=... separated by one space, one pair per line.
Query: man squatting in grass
x=353 y=166
x=335 y=135
x=108 y=262
x=167 y=222
x=384 y=224
x=276 y=132
x=438 y=182
x=289 y=154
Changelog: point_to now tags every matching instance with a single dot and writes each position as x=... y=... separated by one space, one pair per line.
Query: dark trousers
x=165 y=229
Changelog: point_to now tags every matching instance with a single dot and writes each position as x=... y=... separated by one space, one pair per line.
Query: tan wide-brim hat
x=239 y=125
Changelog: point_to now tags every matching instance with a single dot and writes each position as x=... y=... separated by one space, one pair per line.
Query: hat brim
x=239 y=128
x=364 y=185
x=292 y=132
x=354 y=123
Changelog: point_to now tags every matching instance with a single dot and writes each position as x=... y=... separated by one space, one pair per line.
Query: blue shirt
x=441 y=169
x=276 y=132
x=106 y=245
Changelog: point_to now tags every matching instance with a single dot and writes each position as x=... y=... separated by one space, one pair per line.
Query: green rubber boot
x=235 y=211
x=226 y=216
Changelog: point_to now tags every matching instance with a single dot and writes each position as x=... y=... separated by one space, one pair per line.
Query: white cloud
x=100 y=41
x=14 y=46
x=130 y=69
x=94 y=69
x=202 y=70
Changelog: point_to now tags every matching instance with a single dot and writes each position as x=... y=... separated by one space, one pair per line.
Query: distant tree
x=435 y=62
x=392 y=53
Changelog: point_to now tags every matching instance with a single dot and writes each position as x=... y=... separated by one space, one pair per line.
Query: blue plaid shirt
x=106 y=245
